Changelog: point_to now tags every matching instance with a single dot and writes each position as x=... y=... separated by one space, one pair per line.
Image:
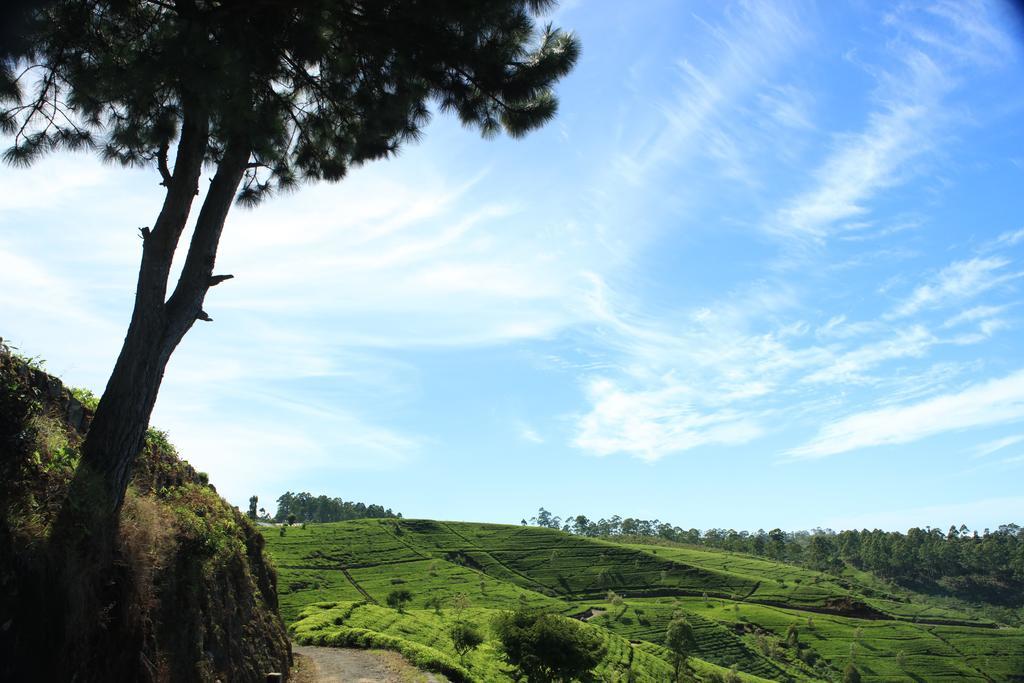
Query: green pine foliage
x=309 y=89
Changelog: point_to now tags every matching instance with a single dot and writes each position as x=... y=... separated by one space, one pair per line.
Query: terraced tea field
x=334 y=579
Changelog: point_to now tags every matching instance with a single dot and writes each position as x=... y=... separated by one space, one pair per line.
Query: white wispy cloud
x=966 y=30
x=69 y=180
x=528 y=433
x=983 y=313
x=990 y=447
x=1009 y=238
x=28 y=287
x=653 y=423
x=712 y=375
x=743 y=52
x=837 y=327
x=420 y=260
x=957 y=282
x=700 y=378
x=902 y=129
x=788 y=106
x=996 y=401
x=934 y=45
x=850 y=366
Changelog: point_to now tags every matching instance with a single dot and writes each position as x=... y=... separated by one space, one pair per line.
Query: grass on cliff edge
x=191 y=596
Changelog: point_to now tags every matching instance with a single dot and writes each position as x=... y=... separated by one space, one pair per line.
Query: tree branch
x=217 y=279
x=161 y=242
x=184 y=306
x=161 y=163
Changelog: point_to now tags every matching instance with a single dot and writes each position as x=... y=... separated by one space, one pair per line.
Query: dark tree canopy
x=398 y=599
x=466 y=637
x=547 y=647
x=309 y=87
x=680 y=641
x=309 y=508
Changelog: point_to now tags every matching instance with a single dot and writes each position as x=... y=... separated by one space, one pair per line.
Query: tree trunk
x=119 y=425
x=83 y=579
x=118 y=429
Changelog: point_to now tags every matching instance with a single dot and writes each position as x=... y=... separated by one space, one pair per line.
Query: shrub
x=436 y=603
x=398 y=599
x=543 y=646
x=86 y=398
x=465 y=638
x=460 y=601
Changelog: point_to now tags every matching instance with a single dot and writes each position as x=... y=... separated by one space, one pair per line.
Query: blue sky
x=765 y=269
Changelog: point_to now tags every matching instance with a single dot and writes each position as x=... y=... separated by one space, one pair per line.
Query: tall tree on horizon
x=265 y=95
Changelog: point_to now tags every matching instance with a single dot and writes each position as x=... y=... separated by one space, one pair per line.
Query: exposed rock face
x=194 y=597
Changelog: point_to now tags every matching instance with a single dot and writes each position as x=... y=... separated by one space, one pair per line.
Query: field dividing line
x=359 y=588
x=498 y=562
x=952 y=647
x=398 y=538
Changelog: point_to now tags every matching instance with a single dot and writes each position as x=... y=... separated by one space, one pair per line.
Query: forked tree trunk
x=158 y=324
x=82 y=581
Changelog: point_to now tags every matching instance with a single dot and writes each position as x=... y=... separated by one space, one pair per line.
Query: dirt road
x=345 y=665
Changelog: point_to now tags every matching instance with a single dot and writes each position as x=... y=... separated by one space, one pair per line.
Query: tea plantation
x=753 y=619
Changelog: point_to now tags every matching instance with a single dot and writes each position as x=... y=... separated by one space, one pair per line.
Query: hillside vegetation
x=963 y=567
x=192 y=597
x=758 y=618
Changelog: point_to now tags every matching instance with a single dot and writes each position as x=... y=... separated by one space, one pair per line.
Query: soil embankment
x=192 y=596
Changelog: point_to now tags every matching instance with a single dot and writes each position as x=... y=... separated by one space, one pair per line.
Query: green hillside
x=334 y=578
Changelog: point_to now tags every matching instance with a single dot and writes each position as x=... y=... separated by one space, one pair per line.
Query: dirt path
x=347 y=665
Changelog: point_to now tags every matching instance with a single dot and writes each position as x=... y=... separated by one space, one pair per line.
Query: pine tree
x=266 y=96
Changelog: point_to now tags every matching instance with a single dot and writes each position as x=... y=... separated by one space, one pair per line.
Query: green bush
x=466 y=637
x=398 y=599
x=86 y=398
x=543 y=646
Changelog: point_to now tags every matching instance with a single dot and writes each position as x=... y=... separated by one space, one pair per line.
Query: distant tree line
x=919 y=556
x=305 y=507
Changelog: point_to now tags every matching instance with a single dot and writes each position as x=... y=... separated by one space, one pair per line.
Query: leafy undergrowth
x=193 y=596
x=422 y=637
x=757 y=617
